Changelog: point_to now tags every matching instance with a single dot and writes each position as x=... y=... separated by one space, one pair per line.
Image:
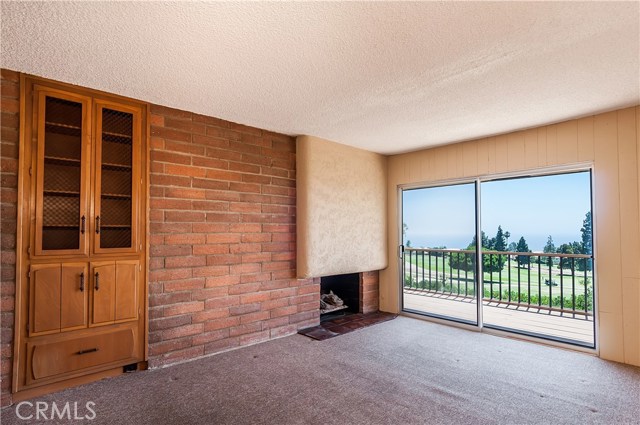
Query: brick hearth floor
x=344 y=324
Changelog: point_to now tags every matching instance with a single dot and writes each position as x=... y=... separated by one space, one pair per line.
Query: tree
x=586 y=247
x=463 y=261
x=523 y=247
x=500 y=243
x=569 y=248
x=549 y=248
x=484 y=241
x=507 y=235
x=512 y=247
x=405 y=228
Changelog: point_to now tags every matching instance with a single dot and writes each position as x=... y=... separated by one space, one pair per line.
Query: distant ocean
x=536 y=242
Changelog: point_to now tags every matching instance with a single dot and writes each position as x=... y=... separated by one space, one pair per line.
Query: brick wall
x=369 y=291
x=9 y=121
x=222 y=224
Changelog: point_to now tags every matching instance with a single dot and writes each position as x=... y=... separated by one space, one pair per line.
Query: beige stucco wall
x=341 y=208
x=609 y=141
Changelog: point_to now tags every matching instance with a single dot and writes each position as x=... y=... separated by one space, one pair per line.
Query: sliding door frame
x=477 y=181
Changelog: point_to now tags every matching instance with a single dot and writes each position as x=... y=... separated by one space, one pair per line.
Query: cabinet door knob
x=82 y=224
x=98 y=225
x=97 y=281
x=82 y=282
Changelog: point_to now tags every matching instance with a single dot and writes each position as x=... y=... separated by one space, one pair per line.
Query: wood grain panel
x=631 y=320
x=483 y=156
x=611 y=336
x=567 y=142
x=470 y=159
x=516 y=151
x=607 y=214
x=75 y=287
x=542 y=147
x=103 y=289
x=126 y=290
x=552 y=145
x=45 y=298
x=501 y=153
x=491 y=155
x=531 y=148
x=628 y=178
x=585 y=139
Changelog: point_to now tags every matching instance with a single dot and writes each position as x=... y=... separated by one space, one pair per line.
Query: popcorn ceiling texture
x=386 y=77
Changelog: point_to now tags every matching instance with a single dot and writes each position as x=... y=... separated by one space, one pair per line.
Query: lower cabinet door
x=73 y=296
x=44 y=294
x=114 y=291
x=103 y=290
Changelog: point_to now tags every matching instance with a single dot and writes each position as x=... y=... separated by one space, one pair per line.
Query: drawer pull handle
x=97 y=281
x=90 y=350
x=98 y=225
x=83 y=220
x=82 y=282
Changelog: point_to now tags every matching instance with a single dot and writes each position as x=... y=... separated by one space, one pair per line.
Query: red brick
x=210 y=185
x=222 y=280
x=245 y=329
x=258 y=316
x=210 y=249
x=182 y=331
x=168 y=322
x=183 y=308
x=223 y=259
x=208 y=337
x=185 y=239
x=184 y=170
x=223 y=344
x=208 y=315
x=284 y=311
x=184 y=285
x=170 y=134
x=172 y=158
x=209 y=271
x=254 y=338
x=184 y=216
x=227 y=322
x=215 y=303
x=173 y=262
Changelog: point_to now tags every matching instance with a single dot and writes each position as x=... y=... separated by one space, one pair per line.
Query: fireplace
x=357 y=291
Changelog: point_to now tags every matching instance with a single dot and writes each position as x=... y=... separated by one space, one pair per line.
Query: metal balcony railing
x=553 y=283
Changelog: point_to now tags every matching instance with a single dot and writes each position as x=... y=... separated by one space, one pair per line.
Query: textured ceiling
x=387 y=77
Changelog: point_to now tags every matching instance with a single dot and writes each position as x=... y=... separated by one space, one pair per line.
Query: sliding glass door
x=512 y=254
x=439 y=259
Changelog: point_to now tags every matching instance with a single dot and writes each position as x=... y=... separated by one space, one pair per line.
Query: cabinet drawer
x=56 y=358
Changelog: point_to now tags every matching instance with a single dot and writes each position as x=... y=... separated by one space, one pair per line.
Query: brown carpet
x=402 y=371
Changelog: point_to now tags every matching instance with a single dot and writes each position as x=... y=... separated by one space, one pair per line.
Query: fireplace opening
x=339 y=295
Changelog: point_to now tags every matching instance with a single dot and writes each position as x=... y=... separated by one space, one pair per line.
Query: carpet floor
x=404 y=371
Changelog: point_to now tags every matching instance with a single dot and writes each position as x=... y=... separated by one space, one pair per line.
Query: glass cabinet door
x=116 y=178
x=61 y=173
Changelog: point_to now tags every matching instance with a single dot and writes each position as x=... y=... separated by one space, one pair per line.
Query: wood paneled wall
x=611 y=142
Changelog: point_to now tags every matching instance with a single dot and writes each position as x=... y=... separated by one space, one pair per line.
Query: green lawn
x=509 y=274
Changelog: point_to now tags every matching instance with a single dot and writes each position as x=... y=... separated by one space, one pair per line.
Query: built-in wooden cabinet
x=81 y=291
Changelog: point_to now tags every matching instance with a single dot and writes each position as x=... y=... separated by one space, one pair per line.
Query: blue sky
x=533 y=207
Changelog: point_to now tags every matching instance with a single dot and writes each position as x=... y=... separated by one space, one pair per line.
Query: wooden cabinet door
x=127 y=273
x=103 y=292
x=61 y=172
x=73 y=300
x=117 y=179
x=44 y=293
